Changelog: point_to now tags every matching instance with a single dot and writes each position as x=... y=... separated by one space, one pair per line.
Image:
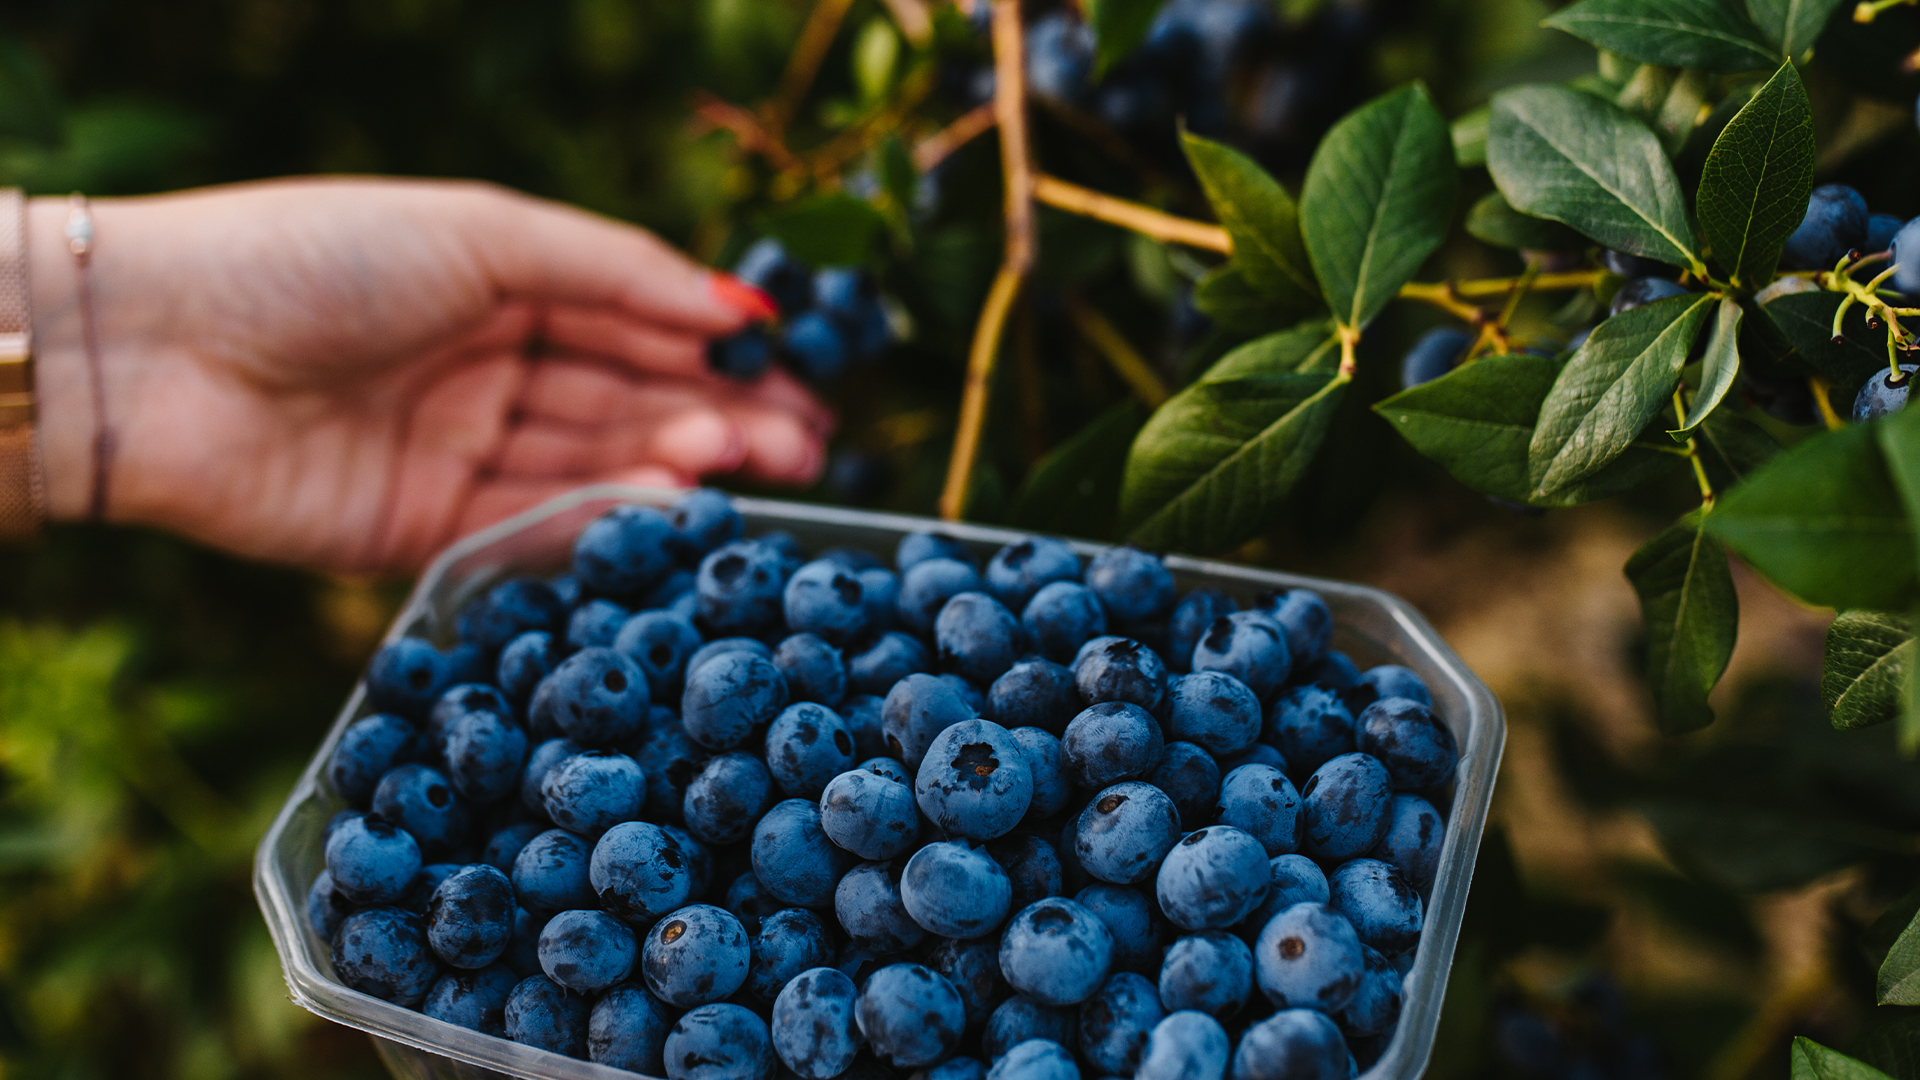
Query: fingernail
x=753 y=303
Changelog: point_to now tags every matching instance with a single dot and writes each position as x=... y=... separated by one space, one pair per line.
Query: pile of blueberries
x=831 y=319
x=1836 y=225
x=703 y=808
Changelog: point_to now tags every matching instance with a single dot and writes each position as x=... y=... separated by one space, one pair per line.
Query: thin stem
x=1010 y=114
x=1693 y=450
x=937 y=147
x=1820 y=386
x=1443 y=295
x=1127 y=363
x=1868 y=10
x=1145 y=220
x=823 y=25
x=710 y=113
x=1514 y=297
x=1349 y=339
x=915 y=20
x=1566 y=279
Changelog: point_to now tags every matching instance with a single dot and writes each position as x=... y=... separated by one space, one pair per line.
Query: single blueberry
x=1310 y=725
x=814 y=670
x=1248 y=645
x=383 y=951
x=739 y=588
x=1034 y=692
x=695 y=955
x=862 y=714
x=722 y=646
x=660 y=643
x=869 y=814
x=367 y=750
x=1052 y=788
x=1133 y=586
x=1035 y=1059
x=1293 y=1044
x=1293 y=879
x=703 y=519
x=1185 y=1045
x=910 y=1014
x=1130 y=919
x=470 y=917
x=1835 y=223
x=1906 y=267
x=1385 y=681
x=586 y=951
x=1115 y=1023
x=916 y=548
x=826 y=599
x=1033 y=869
x=406 y=677
x=1213 y=710
x=793 y=858
x=1061 y=617
x=1415 y=833
x=1212 y=878
x=624 y=552
x=505 y=844
x=1018 y=570
x=473 y=999
x=525 y=661
x=596 y=623
x=699 y=859
x=593 y=791
x=567 y=588
x=727 y=797
x=1060 y=55
x=1336 y=670
x=1375 y=1007
x=808 y=744
x=1881 y=229
x=893 y=656
x=977 y=637
x=1191 y=779
x=456 y=702
x=1384 y=910
x=815 y=346
x=326 y=906
x=598 y=697
x=1308 y=957
x=421 y=801
x=1120 y=669
x=1261 y=800
x=927 y=585
x=955 y=891
x=813 y=1026
x=1435 y=354
x=1125 y=831
x=1056 y=951
x=766 y=266
x=510 y=609
x=973 y=967
x=541 y=1013
x=1020 y=1018
x=867 y=903
x=550 y=874
x=1881 y=394
x=1195 y=612
x=1643 y=291
x=484 y=753
x=730 y=695
x=627 y=1029
x=789 y=941
x=1111 y=741
x=1210 y=972
x=718 y=1042
x=639 y=872
x=918 y=708
x=669 y=761
x=1344 y=807
x=1306 y=619
x=973 y=780
x=1416 y=748
x=881 y=588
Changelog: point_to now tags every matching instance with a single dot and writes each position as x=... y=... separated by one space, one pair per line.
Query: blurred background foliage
x=1643 y=907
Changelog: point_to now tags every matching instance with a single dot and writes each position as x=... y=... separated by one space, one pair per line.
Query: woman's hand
x=349 y=374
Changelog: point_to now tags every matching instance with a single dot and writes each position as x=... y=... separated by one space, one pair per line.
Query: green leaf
x=1899 y=435
x=1225 y=297
x=1073 y=489
x=1561 y=154
x=1691 y=613
x=1806 y=320
x=828 y=230
x=1864 y=678
x=1892 y=1046
x=1476 y=422
x=1261 y=219
x=1899 y=981
x=1791 y=25
x=1824 y=522
x=1303 y=348
x=1377 y=200
x=1618 y=382
x=1469 y=134
x=1811 y=1061
x=1495 y=222
x=1118 y=28
x=1212 y=464
x=1674 y=33
x=1754 y=185
x=1718 y=369
x=1732 y=447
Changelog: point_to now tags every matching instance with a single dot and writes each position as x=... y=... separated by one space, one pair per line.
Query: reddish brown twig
x=711 y=113
x=936 y=147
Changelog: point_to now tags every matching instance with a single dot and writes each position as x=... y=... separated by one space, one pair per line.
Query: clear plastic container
x=1372 y=626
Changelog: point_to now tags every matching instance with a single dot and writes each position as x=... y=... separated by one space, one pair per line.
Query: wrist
x=66 y=414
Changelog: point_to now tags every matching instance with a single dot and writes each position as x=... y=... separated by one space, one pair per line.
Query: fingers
x=579 y=390
x=695 y=442
x=545 y=251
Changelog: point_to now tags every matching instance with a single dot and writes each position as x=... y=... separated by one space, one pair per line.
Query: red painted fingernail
x=753 y=303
